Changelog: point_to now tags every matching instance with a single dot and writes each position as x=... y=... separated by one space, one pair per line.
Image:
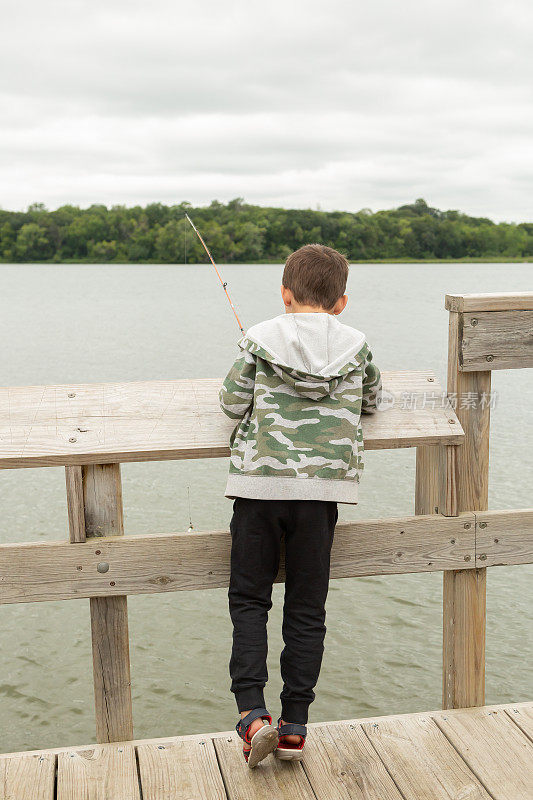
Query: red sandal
x=290 y=752
x=263 y=742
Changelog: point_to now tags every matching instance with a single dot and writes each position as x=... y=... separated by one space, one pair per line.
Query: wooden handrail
x=42 y=426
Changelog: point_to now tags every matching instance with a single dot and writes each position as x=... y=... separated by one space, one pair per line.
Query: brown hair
x=316 y=275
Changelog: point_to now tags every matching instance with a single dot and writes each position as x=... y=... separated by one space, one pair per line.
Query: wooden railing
x=91 y=429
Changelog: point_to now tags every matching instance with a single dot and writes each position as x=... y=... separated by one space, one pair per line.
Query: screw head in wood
x=73 y=439
x=473 y=322
x=482 y=524
x=490 y=358
x=466 y=526
x=431 y=380
x=467 y=558
x=451 y=421
x=483 y=557
x=72 y=394
x=103 y=566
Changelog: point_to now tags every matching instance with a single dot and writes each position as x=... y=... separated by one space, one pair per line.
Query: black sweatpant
x=257 y=527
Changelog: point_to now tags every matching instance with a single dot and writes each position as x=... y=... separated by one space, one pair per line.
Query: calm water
x=61 y=324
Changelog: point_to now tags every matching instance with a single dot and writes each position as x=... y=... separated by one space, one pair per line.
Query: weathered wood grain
x=504 y=537
x=422 y=762
x=185 y=770
x=496 y=340
x=271 y=780
x=109 y=614
x=98 y=773
x=75 y=504
x=148 y=563
x=464 y=604
x=502 y=301
x=522 y=716
x=495 y=749
x=102 y=497
x=464 y=591
x=340 y=762
x=28 y=777
x=118 y=422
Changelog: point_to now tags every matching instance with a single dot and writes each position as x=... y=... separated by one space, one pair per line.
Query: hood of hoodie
x=311 y=352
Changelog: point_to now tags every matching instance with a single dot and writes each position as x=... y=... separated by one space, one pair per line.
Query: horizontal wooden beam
x=46 y=426
x=504 y=537
x=503 y=301
x=495 y=340
x=145 y=564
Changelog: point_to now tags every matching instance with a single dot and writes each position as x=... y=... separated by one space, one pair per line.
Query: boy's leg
x=256 y=528
x=308 y=545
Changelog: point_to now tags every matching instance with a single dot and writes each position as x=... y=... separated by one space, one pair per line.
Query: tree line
x=239 y=232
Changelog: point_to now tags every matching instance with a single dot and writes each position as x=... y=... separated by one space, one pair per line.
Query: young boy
x=296 y=393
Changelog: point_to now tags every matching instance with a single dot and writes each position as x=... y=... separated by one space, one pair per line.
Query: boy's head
x=314 y=279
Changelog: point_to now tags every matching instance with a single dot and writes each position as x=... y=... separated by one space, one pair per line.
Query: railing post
x=94 y=496
x=464 y=591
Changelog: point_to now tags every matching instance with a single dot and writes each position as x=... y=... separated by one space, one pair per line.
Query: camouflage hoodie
x=296 y=392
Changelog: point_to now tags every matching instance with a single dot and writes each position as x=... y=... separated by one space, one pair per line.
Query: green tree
x=32 y=243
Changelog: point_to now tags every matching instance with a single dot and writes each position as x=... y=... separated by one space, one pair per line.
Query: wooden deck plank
x=340 y=762
x=99 y=772
x=180 y=771
x=523 y=717
x=270 y=780
x=29 y=777
x=158 y=420
x=495 y=749
x=422 y=762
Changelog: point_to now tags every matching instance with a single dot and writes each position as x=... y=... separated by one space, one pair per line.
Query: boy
x=296 y=393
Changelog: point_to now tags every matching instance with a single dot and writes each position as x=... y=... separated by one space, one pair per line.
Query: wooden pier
x=474 y=754
x=466 y=752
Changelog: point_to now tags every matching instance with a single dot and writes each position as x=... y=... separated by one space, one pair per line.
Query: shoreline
x=466 y=260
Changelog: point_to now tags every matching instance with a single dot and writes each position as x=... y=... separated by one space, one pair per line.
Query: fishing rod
x=223 y=283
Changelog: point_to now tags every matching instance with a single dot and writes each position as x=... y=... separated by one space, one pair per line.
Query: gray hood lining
x=312 y=343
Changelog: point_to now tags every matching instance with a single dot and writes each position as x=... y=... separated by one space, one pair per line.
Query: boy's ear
x=287 y=296
x=340 y=305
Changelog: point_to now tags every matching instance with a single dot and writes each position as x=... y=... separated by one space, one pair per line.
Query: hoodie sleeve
x=371 y=385
x=237 y=391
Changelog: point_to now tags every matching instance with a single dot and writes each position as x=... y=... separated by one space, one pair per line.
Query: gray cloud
x=348 y=105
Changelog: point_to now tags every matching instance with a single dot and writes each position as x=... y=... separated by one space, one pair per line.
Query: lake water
x=85 y=323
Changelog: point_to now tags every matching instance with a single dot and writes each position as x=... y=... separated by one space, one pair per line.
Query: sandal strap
x=243 y=724
x=292 y=729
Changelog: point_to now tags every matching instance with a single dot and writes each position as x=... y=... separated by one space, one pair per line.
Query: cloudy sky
x=297 y=103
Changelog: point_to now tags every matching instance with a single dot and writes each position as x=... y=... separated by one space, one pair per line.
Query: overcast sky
x=297 y=103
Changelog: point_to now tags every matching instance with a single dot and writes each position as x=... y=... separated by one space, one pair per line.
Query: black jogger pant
x=257 y=527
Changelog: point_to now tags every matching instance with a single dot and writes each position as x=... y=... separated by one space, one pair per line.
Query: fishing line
x=223 y=283
x=191 y=526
